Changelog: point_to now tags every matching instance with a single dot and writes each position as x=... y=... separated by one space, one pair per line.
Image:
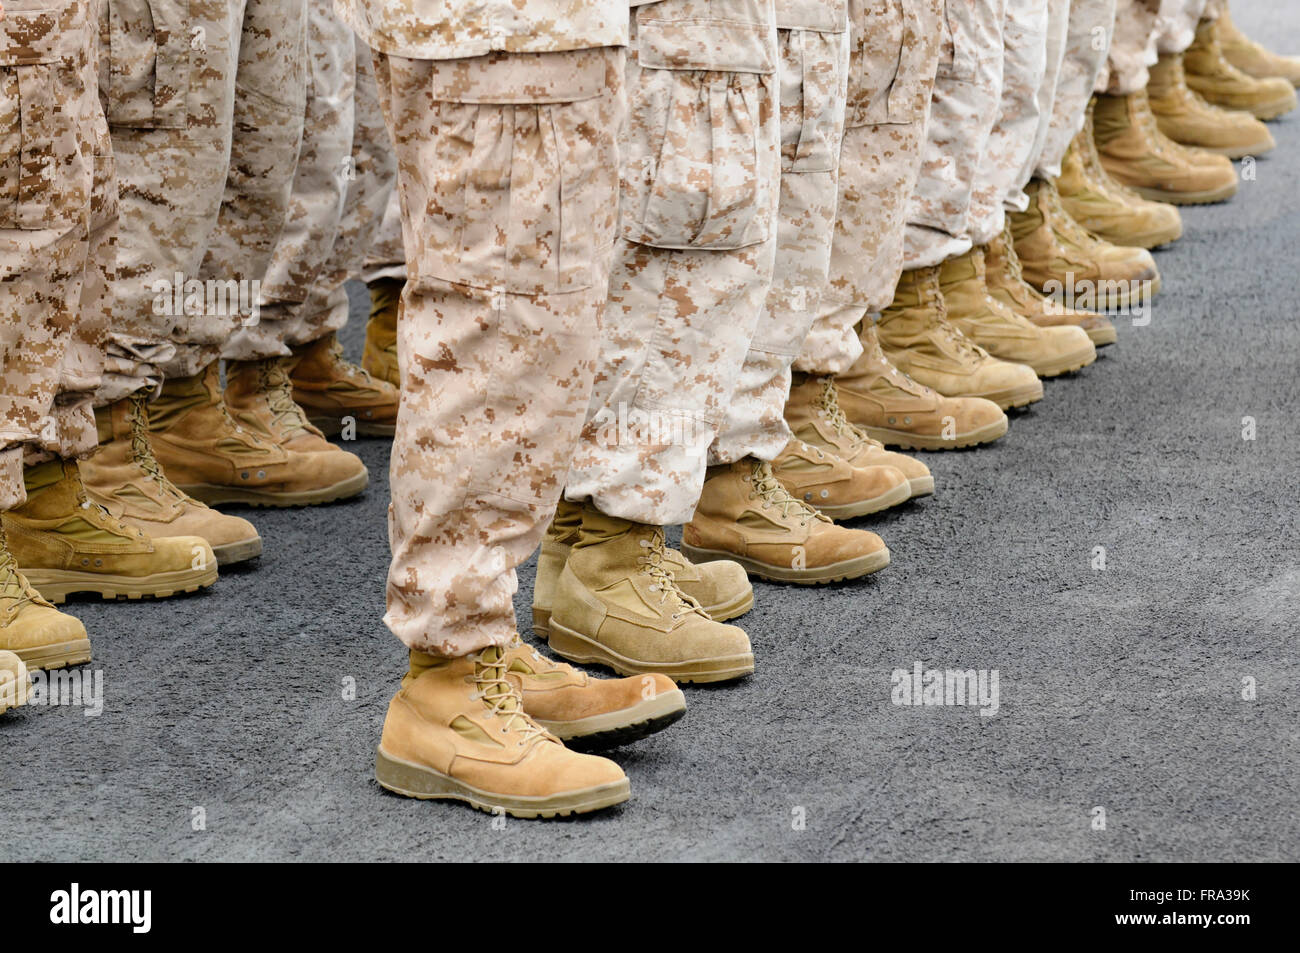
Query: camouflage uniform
x=507 y=165
x=344 y=178
x=1177 y=23
x=58 y=211
x=894 y=54
x=205 y=106
x=1087 y=42
x=962 y=113
x=1132 y=48
x=695 y=252
x=387 y=257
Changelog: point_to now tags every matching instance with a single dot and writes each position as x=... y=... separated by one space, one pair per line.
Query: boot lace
x=496 y=691
x=142 y=449
x=12 y=584
x=829 y=402
x=354 y=371
x=772 y=492
x=654 y=564
x=274 y=381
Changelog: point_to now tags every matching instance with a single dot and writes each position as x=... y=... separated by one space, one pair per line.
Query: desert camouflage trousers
x=694 y=257
x=386 y=257
x=344 y=179
x=894 y=52
x=1090 y=24
x=507 y=176
x=1146 y=28
x=205 y=105
x=58 y=215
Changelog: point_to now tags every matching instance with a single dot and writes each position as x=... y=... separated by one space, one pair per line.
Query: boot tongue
x=490 y=673
x=654 y=563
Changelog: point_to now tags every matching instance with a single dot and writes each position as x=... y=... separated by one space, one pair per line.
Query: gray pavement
x=1120 y=688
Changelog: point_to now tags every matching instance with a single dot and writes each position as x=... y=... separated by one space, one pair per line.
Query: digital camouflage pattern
x=507 y=166
x=693 y=263
x=1176 y=25
x=813 y=69
x=894 y=53
x=1087 y=43
x=205 y=106
x=344 y=177
x=1132 y=47
x=58 y=214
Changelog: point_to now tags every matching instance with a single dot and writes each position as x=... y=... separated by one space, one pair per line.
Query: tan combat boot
x=1251 y=58
x=14 y=682
x=916 y=336
x=212 y=458
x=30 y=627
x=617 y=605
x=721 y=588
x=814 y=415
x=888 y=406
x=1112 y=212
x=835 y=487
x=1185 y=117
x=586 y=711
x=745 y=513
x=127 y=480
x=1058 y=256
x=1137 y=154
x=379 y=357
x=259 y=395
x=982 y=318
x=330 y=390
x=457 y=729
x=1006 y=283
x=1210 y=74
x=64 y=543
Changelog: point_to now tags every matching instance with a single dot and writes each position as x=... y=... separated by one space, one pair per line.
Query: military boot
x=1059 y=256
x=916 y=336
x=457 y=729
x=1113 y=212
x=30 y=627
x=721 y=588
x=745 y=513
x=1251 y=58
x=214 y=459
x=1137 y=154
x=814 y=415
x=14 y=682
x=617 y=604
x=982 y=318
x=126 y=479
x=1006 y=283
x=259 y=395
x=890 y=407
x=379 y=357
x=588 y=712
x=331 y=390
x=1185 y=117
x=65 y=543
x=1214 y=77
x=835 y=487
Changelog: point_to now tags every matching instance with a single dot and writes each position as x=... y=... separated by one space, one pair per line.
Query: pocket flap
x=523 y=78
x=705 y=43
x=819 y=16
x=29 y=37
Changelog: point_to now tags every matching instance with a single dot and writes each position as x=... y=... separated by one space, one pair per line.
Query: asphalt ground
x=1120 y=689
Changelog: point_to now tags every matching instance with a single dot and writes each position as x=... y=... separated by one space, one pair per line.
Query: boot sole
x=237 y=552
x=425 y=784
x=331 y=427
x=912 y=441
x=58 y=655
x=577 y=647
x=57 y=584
x=15 y=693
x=1239 y=152
x=836 y=572
x=616 y=728
x=722 y=612
x=1100 y=337
x=214 y=495
x=899 y=494
x=921 y=486
x=1015 y=397
x=1070 y=362
x=1147 y=240
x=1209 y=197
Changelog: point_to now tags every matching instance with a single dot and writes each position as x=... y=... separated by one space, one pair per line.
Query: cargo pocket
x=522 y=176
x=810 y=98
x=700 y=108
x=891 y=70
x=959 y=55
x=149 y=63
x=37 y=189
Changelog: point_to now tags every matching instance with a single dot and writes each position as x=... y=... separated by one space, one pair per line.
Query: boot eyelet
x=907 y=421
x=244 y=475
x=85 y=562
x=807 y=497
x=261 y=474
x=99 y=562
x=825 y=494
x=893 y=420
